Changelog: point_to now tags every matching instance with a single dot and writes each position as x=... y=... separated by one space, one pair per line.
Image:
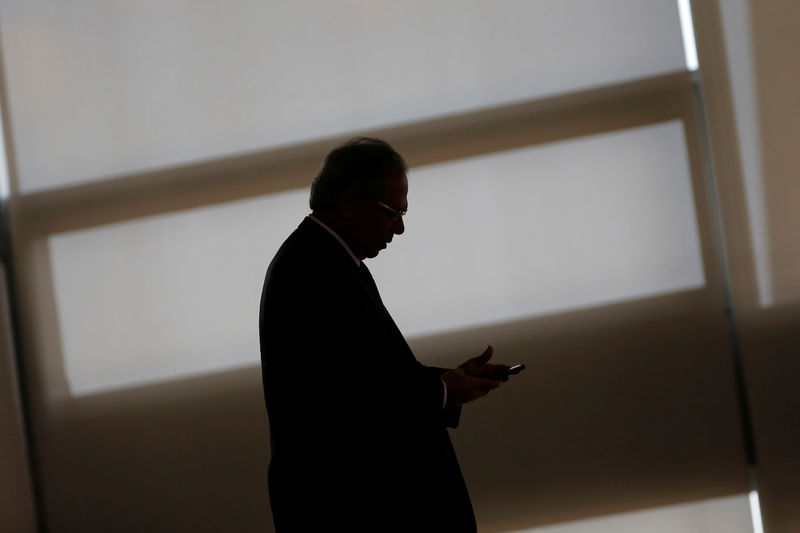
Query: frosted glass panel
x=739 y=47
x=720 y=515
x=167 y=296
x=509 y=235
x=99 y=88
x=544 y=229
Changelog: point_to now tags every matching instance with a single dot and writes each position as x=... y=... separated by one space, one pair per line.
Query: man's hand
x=473 y=379
x=479 y=367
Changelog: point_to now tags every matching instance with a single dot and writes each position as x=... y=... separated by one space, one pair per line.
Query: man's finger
x=485 y=384
x=485 y=356
x=501 y=372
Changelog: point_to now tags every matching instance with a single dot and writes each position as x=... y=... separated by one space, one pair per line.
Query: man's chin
x=374 y=252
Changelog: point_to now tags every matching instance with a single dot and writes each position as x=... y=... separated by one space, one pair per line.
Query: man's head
x=361 y=193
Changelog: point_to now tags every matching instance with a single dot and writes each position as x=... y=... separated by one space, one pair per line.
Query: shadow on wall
x=186 y=455
x=622 y=407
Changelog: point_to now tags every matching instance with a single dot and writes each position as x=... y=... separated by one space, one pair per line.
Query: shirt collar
x=337 y=237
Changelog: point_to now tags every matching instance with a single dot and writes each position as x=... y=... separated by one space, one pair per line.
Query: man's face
x=374 y=225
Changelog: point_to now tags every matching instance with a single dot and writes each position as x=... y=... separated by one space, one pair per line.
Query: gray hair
x=360 y=164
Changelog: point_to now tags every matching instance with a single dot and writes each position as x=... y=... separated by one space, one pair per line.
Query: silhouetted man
x=357 y=424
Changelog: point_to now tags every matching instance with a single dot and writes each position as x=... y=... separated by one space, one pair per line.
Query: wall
x=640 y=404
x=754 y=131
x=16 y=496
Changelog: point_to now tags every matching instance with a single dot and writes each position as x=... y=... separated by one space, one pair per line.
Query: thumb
x=483 y=358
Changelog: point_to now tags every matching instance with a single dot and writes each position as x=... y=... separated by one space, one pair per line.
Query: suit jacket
x=358 y=435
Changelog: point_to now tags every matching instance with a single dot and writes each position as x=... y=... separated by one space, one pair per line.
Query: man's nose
x=399 y=226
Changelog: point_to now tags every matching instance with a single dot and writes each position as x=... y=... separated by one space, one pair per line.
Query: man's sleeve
x=451 y=415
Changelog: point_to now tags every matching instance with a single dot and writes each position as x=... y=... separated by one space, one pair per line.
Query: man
x=357 y=425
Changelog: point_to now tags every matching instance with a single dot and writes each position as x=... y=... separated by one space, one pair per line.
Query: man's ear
x=347 y=203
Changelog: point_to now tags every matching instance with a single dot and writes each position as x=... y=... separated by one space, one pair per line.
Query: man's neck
x=333 y=225
x=332 y=220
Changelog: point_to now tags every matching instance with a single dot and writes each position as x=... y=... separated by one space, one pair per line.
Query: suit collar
x=337 y=237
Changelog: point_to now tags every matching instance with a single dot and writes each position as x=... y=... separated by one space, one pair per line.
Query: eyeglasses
x=394 y=214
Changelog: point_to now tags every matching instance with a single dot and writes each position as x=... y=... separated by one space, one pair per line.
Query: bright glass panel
x=544 y=229
x=755 y=512
x=101 y=88
x=492 y=238
x=736 y=26
x=687 y=30
x=719 y=515
x=167 y=296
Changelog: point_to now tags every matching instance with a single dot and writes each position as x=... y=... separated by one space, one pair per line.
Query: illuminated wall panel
x=104 y=88
x=544 y=229
x=166 y=296
x=489 y=239
x=720 y=515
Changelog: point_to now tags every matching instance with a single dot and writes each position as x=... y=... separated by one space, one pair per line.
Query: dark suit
x=358 y=434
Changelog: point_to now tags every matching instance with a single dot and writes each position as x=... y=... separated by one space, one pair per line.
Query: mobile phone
x=516 y=369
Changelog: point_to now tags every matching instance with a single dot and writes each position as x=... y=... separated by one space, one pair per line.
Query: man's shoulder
x=309 y=248
x=300 y=241
x=308 y=239
x=310 y=265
